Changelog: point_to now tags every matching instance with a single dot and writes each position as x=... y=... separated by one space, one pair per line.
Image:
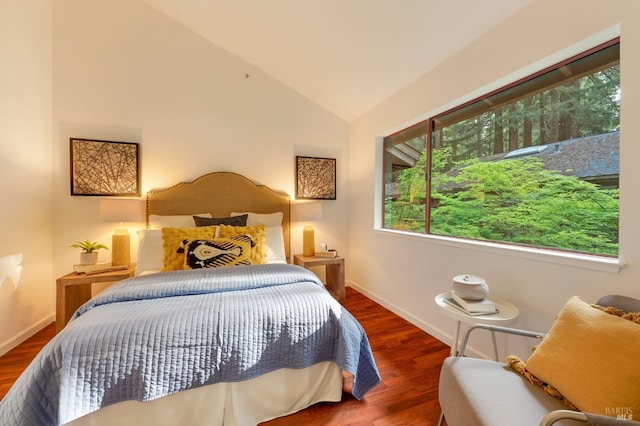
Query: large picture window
x=535 y=163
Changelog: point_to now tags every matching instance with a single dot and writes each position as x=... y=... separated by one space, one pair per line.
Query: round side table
x=507 y=314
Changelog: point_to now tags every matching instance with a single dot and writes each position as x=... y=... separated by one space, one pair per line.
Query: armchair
x=481 y=392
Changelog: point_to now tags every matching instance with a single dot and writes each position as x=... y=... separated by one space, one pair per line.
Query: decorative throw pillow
x=519 y=366
x=259 y=252
x=231 y=221
x=589 y=357
x=173 y=221
x=218 y=252
x=273 y=227
x=172 y=238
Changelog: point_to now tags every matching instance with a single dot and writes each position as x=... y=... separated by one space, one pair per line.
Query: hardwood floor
x=409 y=362
x=13 y=363
x=408 y=359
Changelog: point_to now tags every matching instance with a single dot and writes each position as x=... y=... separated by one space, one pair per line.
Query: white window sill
x=577 y=260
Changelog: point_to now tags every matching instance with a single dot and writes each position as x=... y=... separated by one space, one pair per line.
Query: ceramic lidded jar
x=470 y=287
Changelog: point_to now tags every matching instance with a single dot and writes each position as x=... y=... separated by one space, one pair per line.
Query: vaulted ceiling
x=346 y=55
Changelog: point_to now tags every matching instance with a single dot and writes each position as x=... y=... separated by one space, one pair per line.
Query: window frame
x=592 y=261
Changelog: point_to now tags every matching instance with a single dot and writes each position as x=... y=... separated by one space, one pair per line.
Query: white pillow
x=174 y=221
x=150 y=252
x=266 y=219
x=275 y=245
x=273 y=228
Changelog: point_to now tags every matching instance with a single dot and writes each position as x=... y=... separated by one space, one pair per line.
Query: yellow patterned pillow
x=259 y=252
x=172 y=239
x=218 y=252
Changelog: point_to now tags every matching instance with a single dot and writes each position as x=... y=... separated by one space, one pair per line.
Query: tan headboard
x=221 y=193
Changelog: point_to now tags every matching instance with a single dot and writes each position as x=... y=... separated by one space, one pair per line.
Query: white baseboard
x=430 y=329
x=24 y=335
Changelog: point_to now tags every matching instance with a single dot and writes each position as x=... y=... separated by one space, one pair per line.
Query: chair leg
x=440 y=420
x=495 y=345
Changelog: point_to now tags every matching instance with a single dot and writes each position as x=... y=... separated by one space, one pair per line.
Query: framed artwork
x=104 y=168
x=315 y=178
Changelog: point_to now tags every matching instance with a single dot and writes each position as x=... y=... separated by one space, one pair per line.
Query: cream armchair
x=481 y=392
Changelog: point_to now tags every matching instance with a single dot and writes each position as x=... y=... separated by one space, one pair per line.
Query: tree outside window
x=535 y=164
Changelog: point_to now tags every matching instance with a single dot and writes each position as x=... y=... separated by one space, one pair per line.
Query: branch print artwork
x=104 y=168
x=316 y=178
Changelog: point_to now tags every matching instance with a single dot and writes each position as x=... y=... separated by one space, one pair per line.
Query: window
x=535 y=163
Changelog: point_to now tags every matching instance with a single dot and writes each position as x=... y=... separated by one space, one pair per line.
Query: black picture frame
x=104 y=168
x=315 y=178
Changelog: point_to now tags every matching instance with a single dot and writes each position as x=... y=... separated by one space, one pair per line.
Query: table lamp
x=120 y=210
x=308 y=212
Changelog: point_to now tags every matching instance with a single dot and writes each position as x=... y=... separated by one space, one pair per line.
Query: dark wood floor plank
x=408 y=359
x=409 y=362
x=13 y=363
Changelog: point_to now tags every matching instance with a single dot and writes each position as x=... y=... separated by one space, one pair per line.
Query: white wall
x=26 y=288
x=119 y=70
x=125 y=72
x=406 y=273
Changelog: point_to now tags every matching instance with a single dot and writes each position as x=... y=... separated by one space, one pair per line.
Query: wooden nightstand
x=72 y=290
x=334 y=267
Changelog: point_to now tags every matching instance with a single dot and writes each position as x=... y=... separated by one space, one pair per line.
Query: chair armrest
x=595 y=419
x=498 y=329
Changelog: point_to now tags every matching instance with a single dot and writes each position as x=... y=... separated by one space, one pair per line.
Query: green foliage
x=516 y=201
x=88 y=246
x=407 y=213
x=519 y=201
x=588 y=106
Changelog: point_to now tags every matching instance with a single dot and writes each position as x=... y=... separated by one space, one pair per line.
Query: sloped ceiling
x=346 y=55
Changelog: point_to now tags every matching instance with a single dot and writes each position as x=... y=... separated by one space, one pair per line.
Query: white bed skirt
x=250 y=402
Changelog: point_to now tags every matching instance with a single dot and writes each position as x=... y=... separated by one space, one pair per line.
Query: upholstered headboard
x=221 y=193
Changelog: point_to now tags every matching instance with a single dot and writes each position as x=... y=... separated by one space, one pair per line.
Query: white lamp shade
x=307 y=212
x=121 y=210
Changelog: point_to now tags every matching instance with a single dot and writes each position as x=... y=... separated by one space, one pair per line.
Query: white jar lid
x=468 y=279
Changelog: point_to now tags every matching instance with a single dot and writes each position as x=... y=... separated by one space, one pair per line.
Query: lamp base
x=308 y=243
x=120 y=248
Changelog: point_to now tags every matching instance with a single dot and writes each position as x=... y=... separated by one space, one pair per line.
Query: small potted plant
x=89 y=255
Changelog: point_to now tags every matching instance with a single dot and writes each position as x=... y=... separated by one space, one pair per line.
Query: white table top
x=507 y=313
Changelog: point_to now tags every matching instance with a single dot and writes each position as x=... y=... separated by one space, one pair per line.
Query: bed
x=232 y=345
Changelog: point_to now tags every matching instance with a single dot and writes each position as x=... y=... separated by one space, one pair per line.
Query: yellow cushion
x=217 y=252
x=259 y=252
x=172 y=239
x=591 y=358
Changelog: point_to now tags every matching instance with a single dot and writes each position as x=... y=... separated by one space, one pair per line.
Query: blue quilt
x=154 y=335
